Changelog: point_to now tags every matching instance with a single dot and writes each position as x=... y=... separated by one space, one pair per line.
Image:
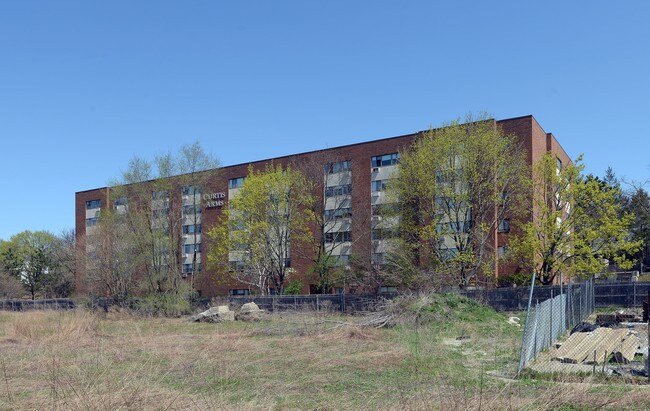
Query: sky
x=87 y=85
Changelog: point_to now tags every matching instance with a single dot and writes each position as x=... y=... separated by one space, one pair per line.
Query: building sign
x=213 y=200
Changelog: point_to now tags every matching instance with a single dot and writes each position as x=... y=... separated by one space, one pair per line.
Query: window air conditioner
x=376 y=218
x=375 y=169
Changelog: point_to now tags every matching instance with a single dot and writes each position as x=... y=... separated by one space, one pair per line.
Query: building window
x=236 y=182
x=338 y=167
x=93 y=204
x=191 y=190
x=454 y=227
x=187 y=268
x=160 y=195
x=502 y=251
x=91 y=222
x=192 y=209
x=120 y=203
x=338 y=237
x=504 y=225
x=559 y=165
x=287 y=262
x=342 y=260
x=160 y=212
x=240 y=291
x=384 y=233
x=236 y=266
x=386 y=209
x=192 y=229
x=332 y=168
x=338 y=190
x=191 y=248
x=338 y=213
x=385 y=160
x=379 y=185
x=448 y=253
x=378 y=259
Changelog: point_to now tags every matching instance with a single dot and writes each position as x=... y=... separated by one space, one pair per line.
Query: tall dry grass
x=79 y=361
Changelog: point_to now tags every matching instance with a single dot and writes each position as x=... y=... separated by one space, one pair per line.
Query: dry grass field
x=440 y=355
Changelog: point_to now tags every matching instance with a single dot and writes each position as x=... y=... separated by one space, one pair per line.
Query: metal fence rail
x=621 y=294
x=346 y=303
x=30 y=305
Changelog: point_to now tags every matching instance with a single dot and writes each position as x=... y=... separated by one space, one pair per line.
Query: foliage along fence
x=617 y=294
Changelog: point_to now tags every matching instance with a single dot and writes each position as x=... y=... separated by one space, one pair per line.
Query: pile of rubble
x=248 y=312
x=616 y=343
x=599 y=345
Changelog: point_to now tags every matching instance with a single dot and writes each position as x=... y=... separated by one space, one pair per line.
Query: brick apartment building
x=355 y=176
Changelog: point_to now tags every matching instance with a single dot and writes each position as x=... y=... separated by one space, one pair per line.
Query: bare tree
x=330 y=181
x=143 y=232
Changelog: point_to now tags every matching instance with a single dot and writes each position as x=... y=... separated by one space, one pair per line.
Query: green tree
x=639 y=206
x=454 y=188
x=33 y=257
x=254 y=236
x=576 y=224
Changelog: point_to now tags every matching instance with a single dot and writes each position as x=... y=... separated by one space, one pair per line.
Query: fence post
x=317 y=305
x=550 y=335
x=582 y=294
x=593 y=295
x=523 y=338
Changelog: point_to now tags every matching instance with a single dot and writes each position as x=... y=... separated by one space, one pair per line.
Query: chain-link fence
x=548 y=320
x=44 y=304
x=345 y=303
x=564 y=336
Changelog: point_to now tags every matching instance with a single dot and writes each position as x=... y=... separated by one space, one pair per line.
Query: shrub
x=517 y=279
x=165 y=304
x=293 y=288
x=10 y=287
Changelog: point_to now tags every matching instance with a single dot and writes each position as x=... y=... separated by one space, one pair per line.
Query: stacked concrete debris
x=214 y=315
x=248 y=312
x=596 y=347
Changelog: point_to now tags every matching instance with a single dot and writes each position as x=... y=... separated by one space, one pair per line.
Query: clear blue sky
x=86 y=85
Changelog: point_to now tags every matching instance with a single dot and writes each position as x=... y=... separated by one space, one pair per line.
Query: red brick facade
x=534 y=139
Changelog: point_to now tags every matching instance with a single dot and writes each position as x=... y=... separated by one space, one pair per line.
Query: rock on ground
x=250 y=312
x=214 y=315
